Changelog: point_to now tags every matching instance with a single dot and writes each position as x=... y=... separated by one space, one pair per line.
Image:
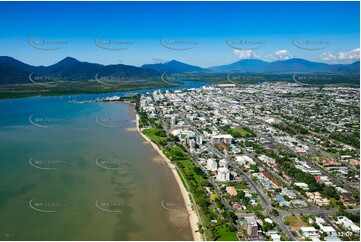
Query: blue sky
x=332 y=27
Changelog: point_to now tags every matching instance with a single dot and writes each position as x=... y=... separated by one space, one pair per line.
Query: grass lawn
x=239 y=132
x=151 y=133
x=226 y=235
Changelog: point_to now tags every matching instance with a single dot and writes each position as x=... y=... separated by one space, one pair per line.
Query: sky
x=198 y=33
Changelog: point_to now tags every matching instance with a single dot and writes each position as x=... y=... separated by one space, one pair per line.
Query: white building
x=301 y=185
x=348 y=224
x=222 y=138
x=309 y=232
x=223 y=174
x=211 y=165
x=223 y=163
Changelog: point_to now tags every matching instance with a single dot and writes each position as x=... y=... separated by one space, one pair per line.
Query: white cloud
x=245 y=54
x=280 y=55
x=341 y=57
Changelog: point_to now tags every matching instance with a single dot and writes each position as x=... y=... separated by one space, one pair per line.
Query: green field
x=153 y=134
x=226 y=235
x=239 y=132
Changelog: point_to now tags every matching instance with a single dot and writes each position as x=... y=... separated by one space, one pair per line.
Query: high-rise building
x=251 y=226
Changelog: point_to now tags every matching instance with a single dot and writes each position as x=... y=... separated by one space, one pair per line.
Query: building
x=222 y=138
x=301 y=185
x=274 y=181
x=348 y=224
x=289 y=193
x=309 y=232
x=199 y=140
x=251 y=226
x=316 y=198
x=211 y=165
x=223 y=174
x=223 y=163
x=173 y=120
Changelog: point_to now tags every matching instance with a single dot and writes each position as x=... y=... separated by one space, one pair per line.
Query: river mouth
x=63 y=171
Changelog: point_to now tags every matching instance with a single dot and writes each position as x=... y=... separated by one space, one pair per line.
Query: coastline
x=193 y=218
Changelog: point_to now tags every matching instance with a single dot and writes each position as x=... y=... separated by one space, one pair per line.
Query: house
x=316 y=198
x=274 y=181
x=301 y=185
x=274 y=235
x=348 y=200
x=328 y=230
x=331 y=163
x=348 y=224
x=289 y=193
x=309 y=232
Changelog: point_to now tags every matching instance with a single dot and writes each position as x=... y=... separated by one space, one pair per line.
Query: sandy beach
x=192 y=214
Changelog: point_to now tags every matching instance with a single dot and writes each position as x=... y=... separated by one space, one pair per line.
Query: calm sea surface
x=71 y=171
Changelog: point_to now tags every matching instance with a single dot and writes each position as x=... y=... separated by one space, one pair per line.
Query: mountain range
x=13 y=71
x=290 y=65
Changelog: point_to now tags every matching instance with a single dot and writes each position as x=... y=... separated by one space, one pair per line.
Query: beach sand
x=194 y=220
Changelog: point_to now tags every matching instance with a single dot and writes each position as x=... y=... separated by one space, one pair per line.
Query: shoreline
x=193 y=218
